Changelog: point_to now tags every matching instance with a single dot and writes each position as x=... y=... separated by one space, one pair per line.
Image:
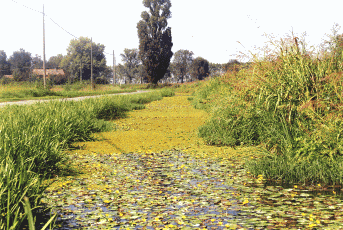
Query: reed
x=290 y=103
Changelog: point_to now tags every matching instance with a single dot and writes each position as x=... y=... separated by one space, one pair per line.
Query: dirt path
x=27 y=102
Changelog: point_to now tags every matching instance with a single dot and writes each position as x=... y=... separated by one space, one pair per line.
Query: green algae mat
x=153 y=172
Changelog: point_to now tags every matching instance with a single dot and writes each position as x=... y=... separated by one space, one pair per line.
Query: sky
x=217 y=30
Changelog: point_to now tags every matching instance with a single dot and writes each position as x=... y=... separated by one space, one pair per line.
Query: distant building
x=8 y=76
x=56 y=72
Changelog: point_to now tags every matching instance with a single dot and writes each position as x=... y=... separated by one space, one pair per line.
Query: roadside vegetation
x=16 y=91
x=32 y=139
x=289 y=103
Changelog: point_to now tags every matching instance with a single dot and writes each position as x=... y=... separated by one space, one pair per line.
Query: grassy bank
x=32 y=91
x=32 y=139
x=288 y=103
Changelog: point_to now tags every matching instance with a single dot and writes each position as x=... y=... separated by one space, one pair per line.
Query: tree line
x=150 y=63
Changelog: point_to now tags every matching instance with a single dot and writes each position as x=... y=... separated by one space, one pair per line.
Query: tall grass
x=32 y=139
x=290 y=102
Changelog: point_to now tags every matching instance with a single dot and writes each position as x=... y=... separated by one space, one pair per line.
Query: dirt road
x=27 y=102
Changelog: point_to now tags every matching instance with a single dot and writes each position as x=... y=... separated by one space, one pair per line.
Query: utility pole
x=80 y=70
x=44 y=70
x=92 y=65
x=114 y=69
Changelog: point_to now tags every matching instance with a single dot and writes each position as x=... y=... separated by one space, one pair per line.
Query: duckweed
x=154 y=172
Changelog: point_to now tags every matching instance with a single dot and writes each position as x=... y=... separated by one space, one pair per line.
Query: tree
x=183 y=60
x=54 y=62
x=120 y=72
x=131 y=63
x=20 y=64
x=200 y=68
x=155 y=39
x=232 y=66
x=168 y=75
x=79 y=54
x=142 y=74
x=5 y=66
x=37 y=62
x=215 y=69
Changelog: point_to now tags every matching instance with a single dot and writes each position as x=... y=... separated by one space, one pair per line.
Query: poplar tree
x=155 y=39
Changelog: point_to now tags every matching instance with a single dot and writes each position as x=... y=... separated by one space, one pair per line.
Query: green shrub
x=110 y=111
x=167 y=92
x=6 y=81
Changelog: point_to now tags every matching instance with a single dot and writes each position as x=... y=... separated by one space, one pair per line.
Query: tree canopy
x=37 y=62
x=232 y=65
x=54 y=62
x=5 y=66
x=131 y=63
x=20 y=64
x=79 y=54
x=200 y=68
x=155 y=39
x=182 y=63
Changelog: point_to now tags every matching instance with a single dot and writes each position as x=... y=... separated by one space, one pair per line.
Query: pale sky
x=209 y=28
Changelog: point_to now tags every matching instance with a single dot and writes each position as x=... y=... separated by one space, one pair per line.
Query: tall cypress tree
x=155 y=40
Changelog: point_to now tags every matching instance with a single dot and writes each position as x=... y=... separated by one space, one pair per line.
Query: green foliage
x=54 y=62
x=155 y=39
x=18 y=75
x=131 y=63
x=232 y=65
x=5 y=81
x=32 y=139
x=101 y=80
x=167 y=92
x=215 y=69
x=287 y=169
x=38 y=92
x=36 y=62
x=208 y=92
x=79 y=53
x=232 y=128
x=110 y=111
x=289 y=103
x=182 y=63
x=78 y=85
x=20 y=64
x=200 y=68
x=5 y=66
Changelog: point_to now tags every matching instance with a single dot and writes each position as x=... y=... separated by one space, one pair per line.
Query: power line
x=52 y=21
x=62 y=28
x=27 y=7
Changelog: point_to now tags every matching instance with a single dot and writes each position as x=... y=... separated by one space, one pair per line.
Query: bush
x=167 y=92
x=6 y=81
x=101 y=80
